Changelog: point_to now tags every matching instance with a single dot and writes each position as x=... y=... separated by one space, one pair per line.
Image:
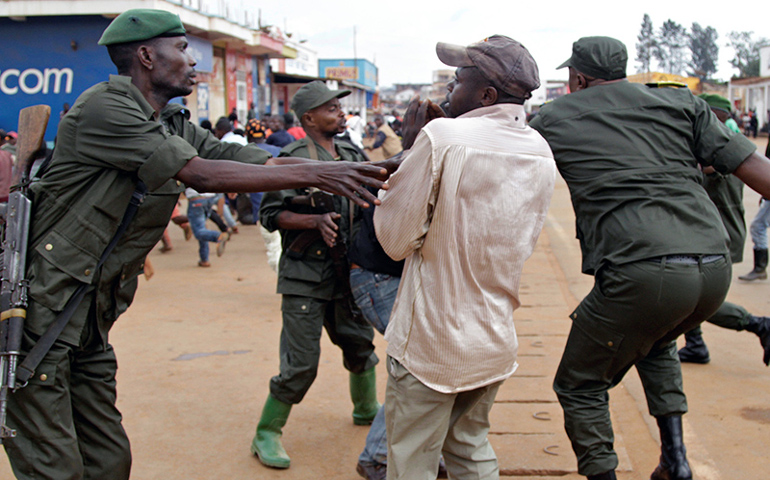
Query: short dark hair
x=123 y=55
x=288 y=119
x=223 y=125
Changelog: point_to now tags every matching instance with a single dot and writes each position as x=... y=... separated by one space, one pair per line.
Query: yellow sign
x=342 y=73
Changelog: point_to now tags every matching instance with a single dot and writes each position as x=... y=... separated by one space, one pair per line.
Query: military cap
x=500 y=59
x=141 y=24
x=312 y=95
x=599 y=57
x=717 y=101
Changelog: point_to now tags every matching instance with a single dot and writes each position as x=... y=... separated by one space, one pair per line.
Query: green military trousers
x=67 y=425
x=304 y=319
x=730 y=316
x=632 y=316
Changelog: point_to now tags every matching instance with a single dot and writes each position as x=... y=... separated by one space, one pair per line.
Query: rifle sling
x=27 y=368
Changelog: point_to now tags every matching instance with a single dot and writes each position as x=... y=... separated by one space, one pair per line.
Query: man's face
x=329 y=118
x=173 y=72
x=465 y=91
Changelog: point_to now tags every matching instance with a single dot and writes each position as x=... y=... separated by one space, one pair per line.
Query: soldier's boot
x=695 y=349
x=267 y=442
x=673 y=457
x=760 y=266
x=761 y=327
x=604 y=476
x=363 y=393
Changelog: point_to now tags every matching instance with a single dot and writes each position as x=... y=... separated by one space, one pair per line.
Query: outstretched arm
x=340 y=178
x=755 y=172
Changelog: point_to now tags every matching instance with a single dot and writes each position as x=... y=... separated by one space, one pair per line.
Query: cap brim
x=567 y=63
x=329 y=96
x=453 y=55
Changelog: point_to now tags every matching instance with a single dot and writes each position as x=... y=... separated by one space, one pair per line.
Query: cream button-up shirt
x=465 y=209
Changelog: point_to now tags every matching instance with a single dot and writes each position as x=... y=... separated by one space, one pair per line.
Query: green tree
x=746 y=59
x=670 y=47
x=645 y=45
x=704 y=51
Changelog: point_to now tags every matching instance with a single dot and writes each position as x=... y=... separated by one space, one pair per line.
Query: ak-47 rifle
x=13 y=288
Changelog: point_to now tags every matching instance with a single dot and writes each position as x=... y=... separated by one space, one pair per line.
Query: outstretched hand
x=349 y=179
x=417 y=115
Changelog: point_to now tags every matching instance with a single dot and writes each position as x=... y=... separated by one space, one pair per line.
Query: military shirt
x=312 y=273
x=108 y=141
x=726 y=191
x=629 y=155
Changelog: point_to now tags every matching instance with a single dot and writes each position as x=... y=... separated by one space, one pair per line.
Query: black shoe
x=604 y=476
x=372 y=472
x=673 y=455
x=760 y=326
x=694 y=350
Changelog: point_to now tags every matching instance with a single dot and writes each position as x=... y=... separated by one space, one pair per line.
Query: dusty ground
x=198 y=347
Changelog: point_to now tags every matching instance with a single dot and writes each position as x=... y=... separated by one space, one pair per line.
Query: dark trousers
x=304 y=319
x=729 y=315
x=632 y=316
x=68 y=427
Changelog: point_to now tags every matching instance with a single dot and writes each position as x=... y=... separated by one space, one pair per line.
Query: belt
x=687 y=259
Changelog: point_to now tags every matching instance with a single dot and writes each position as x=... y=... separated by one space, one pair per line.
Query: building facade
x=51 y=54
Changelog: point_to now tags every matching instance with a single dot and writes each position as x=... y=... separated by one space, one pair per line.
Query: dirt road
x=198 y=347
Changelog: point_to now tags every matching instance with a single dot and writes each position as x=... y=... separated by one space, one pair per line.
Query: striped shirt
x=465 y=209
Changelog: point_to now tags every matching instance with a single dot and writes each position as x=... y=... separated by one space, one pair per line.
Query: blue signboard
x=359 y=70
x=49 y=60
x=52 y=60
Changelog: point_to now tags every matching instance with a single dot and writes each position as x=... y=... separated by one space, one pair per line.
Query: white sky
x=400 y=36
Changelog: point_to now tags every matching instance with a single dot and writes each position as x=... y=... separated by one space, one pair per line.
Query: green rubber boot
x=363 y=392
x=267 y=442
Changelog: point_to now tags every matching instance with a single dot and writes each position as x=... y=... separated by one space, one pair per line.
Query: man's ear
x=489 y=96
x=146 y=56
x=306 y=120
x=582 y=81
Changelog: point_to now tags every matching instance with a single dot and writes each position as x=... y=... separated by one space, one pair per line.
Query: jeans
x=374 y=293
x=759 y=226
x=197 y=214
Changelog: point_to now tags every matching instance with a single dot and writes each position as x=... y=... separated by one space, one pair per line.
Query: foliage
x=746 y=59
x=646 y=45
x=704 y=51
x=670 y=47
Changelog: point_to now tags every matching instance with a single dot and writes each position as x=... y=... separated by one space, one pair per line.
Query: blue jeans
x=760 y=225
x=197 y=214
x=374 y=293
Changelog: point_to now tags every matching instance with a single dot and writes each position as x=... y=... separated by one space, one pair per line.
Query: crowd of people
x=432 y=259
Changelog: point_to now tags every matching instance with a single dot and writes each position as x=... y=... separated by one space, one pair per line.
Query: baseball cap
x=255 y=129
x=313 y=95
x=12 y=135
x=142 y=24
x=502 y=60
x=599 y=57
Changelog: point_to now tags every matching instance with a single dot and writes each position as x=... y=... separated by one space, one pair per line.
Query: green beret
x=717 y=101
x=141 y=24
x=599 y=57
x=313 y=95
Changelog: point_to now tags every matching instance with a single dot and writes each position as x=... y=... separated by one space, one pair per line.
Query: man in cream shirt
x=464 y=209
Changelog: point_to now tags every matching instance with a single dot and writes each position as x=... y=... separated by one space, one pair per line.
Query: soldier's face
x=329 y=117
x=173 y=68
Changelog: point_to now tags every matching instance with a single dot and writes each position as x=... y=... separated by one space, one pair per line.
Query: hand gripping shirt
x=108 y=141
x=465 y=209
x=629 y=155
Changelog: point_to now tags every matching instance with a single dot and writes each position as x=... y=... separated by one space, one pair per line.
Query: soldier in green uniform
x=726 y=192
x=314 y=295
x=649 y=235
x=112 y=140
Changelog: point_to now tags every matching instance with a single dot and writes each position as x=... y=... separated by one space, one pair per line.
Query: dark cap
x=142 y=24
x=599 y=57
x=255 y=129
x=717 y=101
x=312 y=95
x=502 y=60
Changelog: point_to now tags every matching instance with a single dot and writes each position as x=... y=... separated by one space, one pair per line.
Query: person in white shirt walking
x=464 y=209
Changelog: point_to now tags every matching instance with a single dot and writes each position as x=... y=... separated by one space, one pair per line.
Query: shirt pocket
x=57 y=268
x=309 y=268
